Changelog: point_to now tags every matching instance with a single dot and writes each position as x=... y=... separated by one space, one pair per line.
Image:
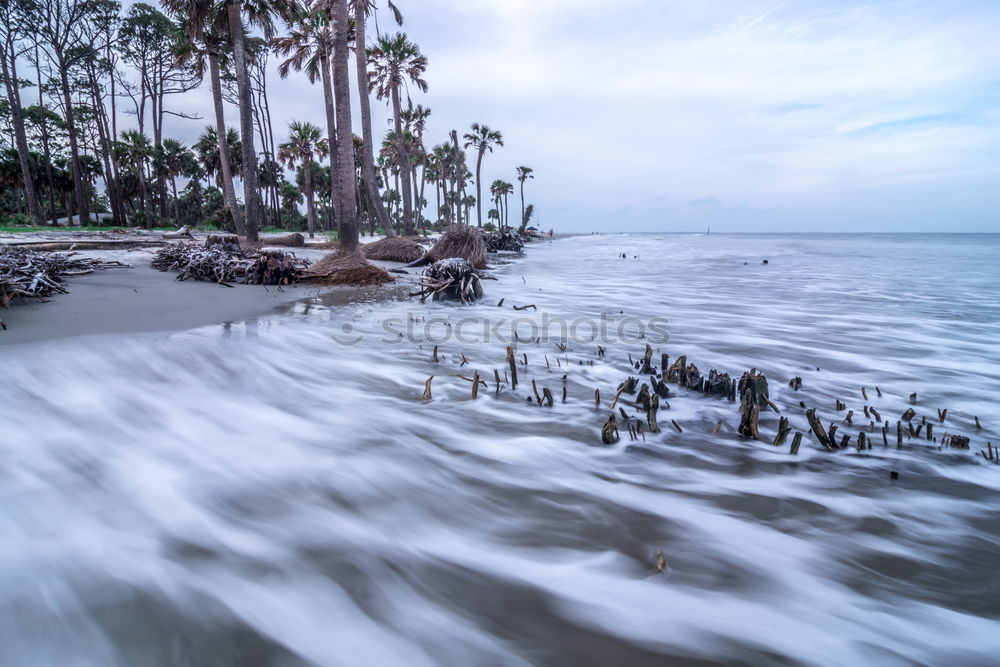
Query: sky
x=741 y=115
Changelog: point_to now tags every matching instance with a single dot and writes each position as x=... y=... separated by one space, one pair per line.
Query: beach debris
x=457 y=241
x=29 y=274
x=503 y=240
x=753 y=398
x=959 y=442
x=978 y=427
x=661 y=561
x=942 y=414
x=87 y=244
x=909 y=415
x=452 y=278
x=224 y=262
x=609 y=432
x=182 y=233
x=393 y=249
x=796 y=443
x=893 y=475
x=512 y=362
x=913 y=398
x=352 y=269
x=817 y=428
x=427 y=389
x=795 y=383
x=530 y=305
x=294 y=240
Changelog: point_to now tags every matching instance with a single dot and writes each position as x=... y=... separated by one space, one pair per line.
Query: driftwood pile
x=457 y=241
x=453 y=279
x=221 y=260
x=503 y=240
x=347 y=269
x=28 y=274
x=395 y=249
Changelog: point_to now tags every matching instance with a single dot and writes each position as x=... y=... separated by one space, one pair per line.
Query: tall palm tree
x=416 y=122
x=343 y=177
x=523 y=174
x=135 y=148
x=203 y=45
x=230 y=14
x=395 y=62
x=306 y=145
x=170 y=159
x=496 y=189
x=308 y=48
x=361 y=10
x=483 y=139
x=505 y=190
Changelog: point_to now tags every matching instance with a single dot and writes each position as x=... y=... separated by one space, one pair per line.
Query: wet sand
x=140 y=299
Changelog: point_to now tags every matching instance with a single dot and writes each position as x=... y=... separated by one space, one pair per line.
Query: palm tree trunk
x=228 y=189
x=331 y=130
x=368 y=155
x=479 y=187
x=14 y=97
x=343 y=177
x=522 y=203
x=506 y=212
x=251 y=192
x=177 y=206
x=404 y=164
x=457 y=167
x=310 y=205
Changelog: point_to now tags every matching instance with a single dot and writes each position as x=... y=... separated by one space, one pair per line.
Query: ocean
x=280 y=491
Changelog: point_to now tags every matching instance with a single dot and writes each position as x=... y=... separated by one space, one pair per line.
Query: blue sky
x=746 y=115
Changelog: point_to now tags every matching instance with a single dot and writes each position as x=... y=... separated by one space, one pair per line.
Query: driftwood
x=182 y=233
x=222 y=262
x=294 y=240
x=753 y=398
x=28 y=274
x=504 y=240
x=43 y=246
x=453 y=279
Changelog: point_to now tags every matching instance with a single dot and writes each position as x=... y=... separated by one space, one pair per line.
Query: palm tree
x=483 y=139
x=209 y=153
x=416 y=121
x=305 y=146
x=199 y=14
x=343 y=177
x=496 y=189
x=505 y=190
x=201 y=44
x=395 y=61
x=170 y=158
x=361 y=10
x=135 y=148
x=523 y=174
x=307 y=48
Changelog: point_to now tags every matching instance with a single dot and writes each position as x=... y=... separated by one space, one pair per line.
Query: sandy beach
x=140 y=299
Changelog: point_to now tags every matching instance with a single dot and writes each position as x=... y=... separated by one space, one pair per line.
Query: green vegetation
x=89 y=85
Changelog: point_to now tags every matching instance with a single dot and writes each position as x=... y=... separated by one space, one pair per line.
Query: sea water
x=277 y=491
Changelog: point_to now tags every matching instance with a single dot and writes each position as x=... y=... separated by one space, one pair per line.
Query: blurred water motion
x=257 y=493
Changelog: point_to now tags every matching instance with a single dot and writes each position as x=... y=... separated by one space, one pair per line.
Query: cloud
x=801 y=108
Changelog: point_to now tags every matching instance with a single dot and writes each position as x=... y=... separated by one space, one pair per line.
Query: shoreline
x=139 y=299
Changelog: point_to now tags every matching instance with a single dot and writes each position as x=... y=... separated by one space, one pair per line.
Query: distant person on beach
x=550 y=233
